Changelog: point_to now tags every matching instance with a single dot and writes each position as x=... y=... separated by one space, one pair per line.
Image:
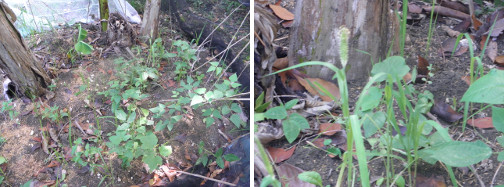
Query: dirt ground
x=446 y=86
x=22 y=148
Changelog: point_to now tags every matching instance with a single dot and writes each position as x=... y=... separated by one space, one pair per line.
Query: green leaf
x=202 y=160
x=152 y=160
x=200 y=90
x=131 y=117
x=270 y=180
x=149 y=141
x=487 y=89
x=299 y=120
x=209 y=121
x=498 y=118
x=459 y=154
x=311 y=177
x=233 y=78
x=83 y=48
x=165 y=150
x=120 y=114
x=277 y=112
x=231 y=157
x=2 y=160
x=260 y=100
x=500 y=157
x=291 y=103
x=225 y=110
x=500 y=139
x=236 y=108
x=220 y=162
x=291 y=130
x=395 y=66
x=82 y=33
x=371 y=99
x=197 y=99
x=371 y=122
x=235 y=118
x=258 y=116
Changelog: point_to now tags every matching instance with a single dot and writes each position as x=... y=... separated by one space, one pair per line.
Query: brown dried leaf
x=279 y=155
x=491 y=50
x=482 y=123
x=414 y=8
x=319 y=142
x=477 y=23
x=422 y=66
x=483 y=40
x=281 y=12
x=407 y=77
x=329 y=86
x=281 y=63
x=499 y=60
x=433 y=181
x=289 y=175
x=498 y=28
x=466 y=79
x=287 y=23
x=329 y=128
x=449 y=31
x=45 y=144
x=445 y=112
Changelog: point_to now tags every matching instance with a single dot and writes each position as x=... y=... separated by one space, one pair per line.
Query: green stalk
x=402 y=32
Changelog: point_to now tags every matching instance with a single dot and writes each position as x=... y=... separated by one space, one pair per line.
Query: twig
x=80 y=128
x=206 y=178
x=495 y=175
x=477 y=176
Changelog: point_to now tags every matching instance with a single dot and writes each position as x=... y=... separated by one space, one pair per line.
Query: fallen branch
x=206 y=178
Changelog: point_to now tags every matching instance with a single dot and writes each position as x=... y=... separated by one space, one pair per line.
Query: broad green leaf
x=231 y=157
x=82 y=33
x=460 y=154
x=372 y=122
x=120 y=114
x=500 y=139
x=291 y=103
x=160 y=125
x=233 y=78
x=498 y=118
x=2 y=160
x=267 y=181
x=218 y=94
x=487 y=89
x=236 y=108
x=259 y=116
x=220 y=162
x=197 y=99
x=500 y=157
x=311 y=177
x=235 y=118
x=225 y=110
x=165 y=150
x=200 y=90
x=149 y=141
x=209 y=121
x=394 y=65
x=83 y=48
x=291 y=130
x=277 y=112
x=131 y=117
x=152 y=160
x=260 y=100
x=371 y=98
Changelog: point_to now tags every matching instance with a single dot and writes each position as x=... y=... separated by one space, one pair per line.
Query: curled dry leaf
x=477 y=23
x=414 y=8
x=455 y=5
x=279 y=155
x=329 y=86
x=498 y=28
x=319 y=142
x=281 y=63
x=422 y=66
x=329 y=128
x=449 y=31
x=445 y=112
x=482 y=123
x=432 y=181
x=281 y=12
x=466 y=79
x=448 y=45
x=499 y=60
x=289 y=175
x=491 y=50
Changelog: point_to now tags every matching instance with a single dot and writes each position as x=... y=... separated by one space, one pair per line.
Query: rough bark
x=150 y=22
x=18 y=62
x=314 y=35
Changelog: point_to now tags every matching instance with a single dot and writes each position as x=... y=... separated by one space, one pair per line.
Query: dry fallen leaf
x=414 y=8
x=422 y=66
x=482 y=123
x=319 y=142
x=279 y=155
x=289 y=175
x=281 y=12
x=477 y=23
x=466 y=79
x=498 y=28
x=499 y=60
x=491 y=50
x=432 y=181
x=329 y=128
x=445 y=112
x=281 y=63
x=450 y=31
x=329 y=86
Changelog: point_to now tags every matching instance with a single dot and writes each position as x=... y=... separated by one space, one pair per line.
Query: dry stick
x=206 y=178
x=477 y=176
x=234 y=60
x=495 y=175
x=220 y=53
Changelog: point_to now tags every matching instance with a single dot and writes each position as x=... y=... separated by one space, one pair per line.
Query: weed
x=8 y=106
x=219 y=157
